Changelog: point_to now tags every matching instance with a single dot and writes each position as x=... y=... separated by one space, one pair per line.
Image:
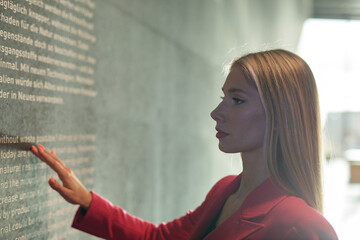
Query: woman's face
x=240 y=116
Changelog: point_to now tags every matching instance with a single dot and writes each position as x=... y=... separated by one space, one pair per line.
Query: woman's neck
x=254 y=172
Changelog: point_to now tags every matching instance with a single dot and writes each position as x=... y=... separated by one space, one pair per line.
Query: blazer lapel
x=213 y=206
x=261 y=200
x=247 y=219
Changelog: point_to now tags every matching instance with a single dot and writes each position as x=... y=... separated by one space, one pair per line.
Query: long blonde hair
x=289 y=95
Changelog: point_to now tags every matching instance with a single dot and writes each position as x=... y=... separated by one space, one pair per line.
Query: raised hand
x=72 y=189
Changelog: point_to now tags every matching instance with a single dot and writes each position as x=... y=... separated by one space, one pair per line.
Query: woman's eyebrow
x=234 y=90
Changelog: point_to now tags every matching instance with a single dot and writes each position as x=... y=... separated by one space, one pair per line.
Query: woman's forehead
x=237 y=82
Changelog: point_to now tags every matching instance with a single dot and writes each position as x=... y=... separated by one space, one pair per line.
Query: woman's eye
x=238 y=100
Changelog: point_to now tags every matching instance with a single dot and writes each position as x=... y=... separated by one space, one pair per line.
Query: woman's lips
x=221 y=134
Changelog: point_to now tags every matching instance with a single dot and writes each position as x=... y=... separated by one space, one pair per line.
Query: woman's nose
x=217 y=114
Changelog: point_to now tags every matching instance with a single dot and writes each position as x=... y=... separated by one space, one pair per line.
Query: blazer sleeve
x=105 y=220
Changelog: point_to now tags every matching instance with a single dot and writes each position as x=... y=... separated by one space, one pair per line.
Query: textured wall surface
x=160 y=71
x=158 y=75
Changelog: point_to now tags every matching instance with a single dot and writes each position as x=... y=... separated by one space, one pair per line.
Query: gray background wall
x=158 y=76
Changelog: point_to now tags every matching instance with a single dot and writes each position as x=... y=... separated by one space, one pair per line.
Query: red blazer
x=268 y=212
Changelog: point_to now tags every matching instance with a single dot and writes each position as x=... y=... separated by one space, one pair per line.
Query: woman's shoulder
x=221 y=184
x=302 y=220
x=225 y=180
x=298 y=210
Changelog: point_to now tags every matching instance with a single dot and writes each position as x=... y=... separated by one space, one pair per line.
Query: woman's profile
x=270 y=115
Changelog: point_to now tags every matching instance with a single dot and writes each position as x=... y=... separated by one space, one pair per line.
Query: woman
x=270 y=115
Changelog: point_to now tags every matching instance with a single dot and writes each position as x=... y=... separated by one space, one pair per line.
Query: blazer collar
x=261 y=200
x=243 y=222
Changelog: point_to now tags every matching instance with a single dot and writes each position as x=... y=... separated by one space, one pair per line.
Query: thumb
x=54 y=184
x=63 y=191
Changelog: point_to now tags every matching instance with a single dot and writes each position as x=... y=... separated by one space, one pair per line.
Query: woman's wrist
x=86 y=201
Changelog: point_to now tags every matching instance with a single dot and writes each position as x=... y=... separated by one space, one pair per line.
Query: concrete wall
x=160 y=75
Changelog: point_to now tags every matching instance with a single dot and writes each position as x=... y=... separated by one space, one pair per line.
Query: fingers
x=71 y=188
x=52 y=153
x=35 y=151
x=50 y=159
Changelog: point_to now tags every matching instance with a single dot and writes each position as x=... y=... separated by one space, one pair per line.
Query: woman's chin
x=226 y=149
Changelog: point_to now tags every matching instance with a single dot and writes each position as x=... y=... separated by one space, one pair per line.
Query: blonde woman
x=270 y=115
